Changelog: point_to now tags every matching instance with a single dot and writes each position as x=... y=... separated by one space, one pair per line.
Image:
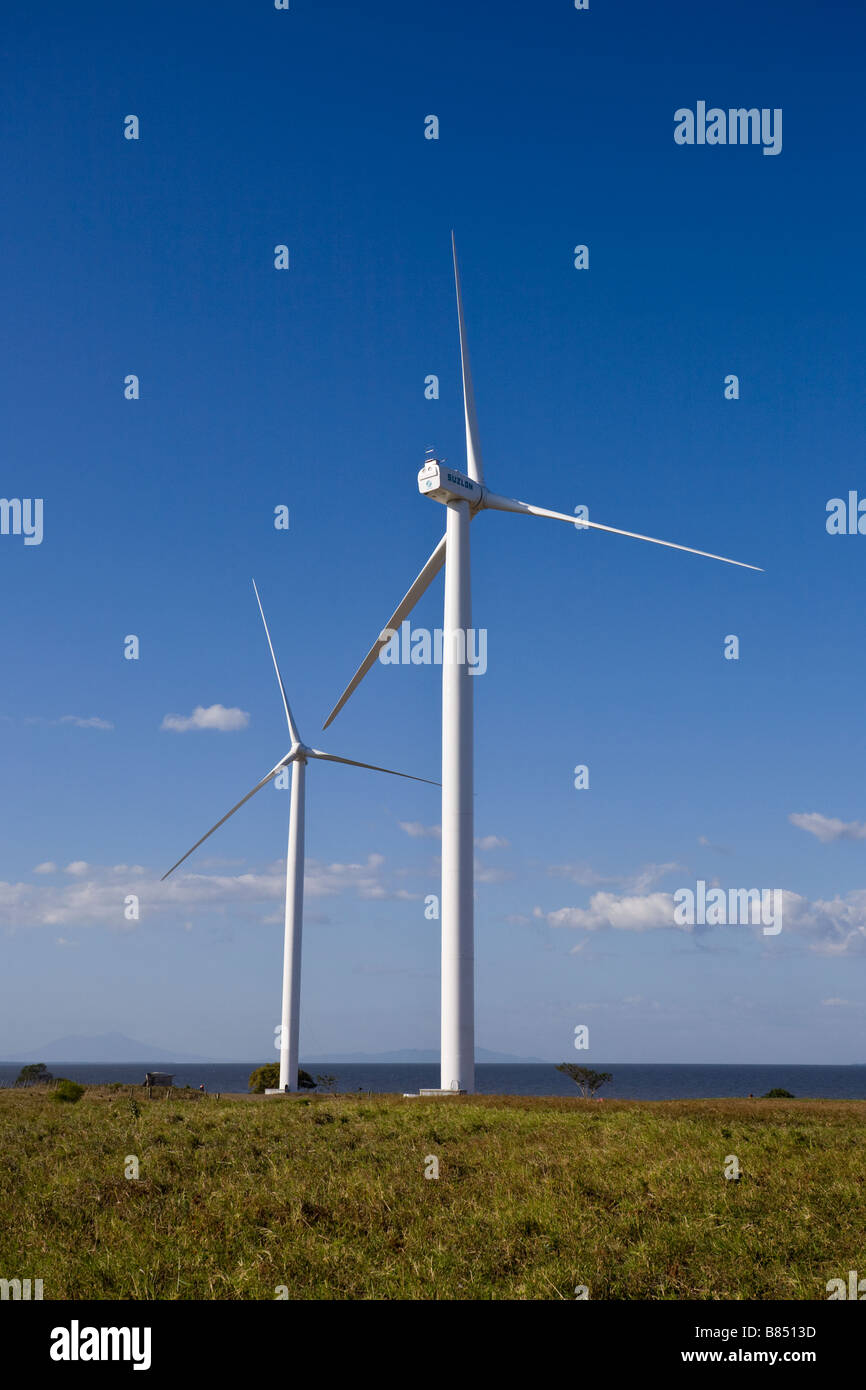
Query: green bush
x=778 y=1093
x=267 y=1078
x=67 y=1090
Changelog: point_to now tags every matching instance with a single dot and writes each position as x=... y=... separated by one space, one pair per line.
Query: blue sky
x=305 y=388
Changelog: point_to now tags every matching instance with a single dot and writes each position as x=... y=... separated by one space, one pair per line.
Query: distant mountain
x=107 y=1047
x=421 y=1055
x=115 y=1047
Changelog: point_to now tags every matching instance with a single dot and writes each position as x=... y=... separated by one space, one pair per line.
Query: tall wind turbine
x=464 y=496
x=297 y=756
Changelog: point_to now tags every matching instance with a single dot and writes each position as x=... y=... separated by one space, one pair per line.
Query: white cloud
x=492 y=842
x=837 y=1003
x=49 y=867
x=621 y=913
x=78 y=868
x=210 y=717
x=836 y=927
x=417 y=831
x=828 y=828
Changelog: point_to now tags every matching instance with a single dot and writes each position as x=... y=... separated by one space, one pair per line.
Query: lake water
x=631 y=1080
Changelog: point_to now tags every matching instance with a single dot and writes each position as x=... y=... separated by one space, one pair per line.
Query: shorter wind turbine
x=297 y=756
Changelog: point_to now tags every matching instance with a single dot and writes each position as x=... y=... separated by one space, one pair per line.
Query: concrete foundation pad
x=415 y=1095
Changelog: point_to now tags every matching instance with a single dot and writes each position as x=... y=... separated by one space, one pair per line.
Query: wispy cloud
x=484 y=873
x=75 y=720
x=828 y=828
x=95 y=895
x=224 y=720
x=718 y=849
x=417 y=831
x=637 y=882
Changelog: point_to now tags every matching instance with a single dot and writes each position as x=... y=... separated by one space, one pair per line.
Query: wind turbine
x=464 y=496
x=297 y=756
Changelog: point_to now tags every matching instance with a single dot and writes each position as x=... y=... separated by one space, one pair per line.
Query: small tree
x=585 y=1078
x=327 y=1080
x=33 y=1075
x=778 y=1093
x=267 y=1078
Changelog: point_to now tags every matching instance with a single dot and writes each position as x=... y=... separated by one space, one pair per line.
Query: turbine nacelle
x=446 y=484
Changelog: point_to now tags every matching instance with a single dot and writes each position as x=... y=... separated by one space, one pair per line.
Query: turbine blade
x=474 y=464
x=406 y=604
x=509 y=504
x=332 y=758
x=257 y=788
x=293 y=730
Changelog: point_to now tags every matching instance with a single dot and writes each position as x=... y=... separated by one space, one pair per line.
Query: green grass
x=327 y=1196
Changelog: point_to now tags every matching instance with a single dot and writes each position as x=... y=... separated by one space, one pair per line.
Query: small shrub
x=67 y=1090
x=779 y=1093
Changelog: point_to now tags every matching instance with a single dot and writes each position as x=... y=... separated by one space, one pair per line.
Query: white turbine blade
x=405 y=606
x=257 y=788
x=296 y=738
x=509 y=504
x=332 y=758
x=474 y=465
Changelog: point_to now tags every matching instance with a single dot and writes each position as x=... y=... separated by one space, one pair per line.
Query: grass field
x=326 y=1195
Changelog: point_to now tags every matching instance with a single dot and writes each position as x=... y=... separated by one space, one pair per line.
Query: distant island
x=422 y=1056
x=116 y=1047
x=106 y=1048
x=102 y=1049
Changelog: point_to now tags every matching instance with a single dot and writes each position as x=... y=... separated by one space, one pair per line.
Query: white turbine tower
x=297 y=756
x=464 y=495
